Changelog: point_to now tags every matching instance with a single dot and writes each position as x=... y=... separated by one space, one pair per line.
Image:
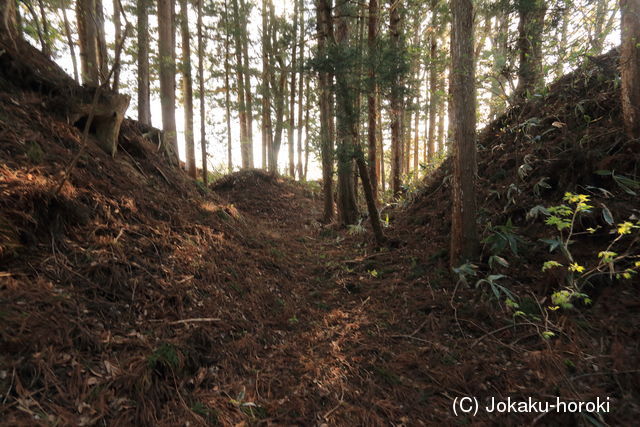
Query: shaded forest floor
x=135 y=297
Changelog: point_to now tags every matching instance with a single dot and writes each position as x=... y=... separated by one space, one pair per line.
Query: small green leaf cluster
x=563 y=219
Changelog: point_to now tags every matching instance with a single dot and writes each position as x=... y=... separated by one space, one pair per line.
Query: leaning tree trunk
x=70 y=42
x=630 y=65
x=118 y=37
x=187 y=90
x=464 y=237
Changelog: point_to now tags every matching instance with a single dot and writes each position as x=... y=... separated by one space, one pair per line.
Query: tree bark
x=227 y=85
x=530 y=28
x=266 y=130
x=88 y=40
x=245 y=144
x=464 y=237
x=300 y=90
x=144 y=91
x=166 y=47
x=8 y=19
x=630 y=66
x=434 y=100
x=324 y=29
x=372 y=113
x=292 y=91
x=46 y=46
x=396 y=101
x=118 y=37
x=203 y=133
x=187 y=90
x=247 y=80
x=345 y=118
x=103 y=53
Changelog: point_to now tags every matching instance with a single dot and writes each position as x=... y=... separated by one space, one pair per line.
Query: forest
x=327 y=212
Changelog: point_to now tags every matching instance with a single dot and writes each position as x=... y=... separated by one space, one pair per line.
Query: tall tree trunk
x=416 y=140
x=372 y=112
x=630 y=65
x=300 y=89
x=247 y=80
x=118 y=37
x=346 y=119
x=464 y=236
x=434 y=100
x=245 y=145
x=70 y=43
x=166 y=47
x=324 y=29
x=396 y=101
x=292 y=91
x=530 y=28
x=442 y=115
x=227 y=85
x=187 y=90
x=500 y=68
x=203 y=134
x=88 y=38
x=266 y=131
x=144 y=91
x=381 y=168
x=348 y=145
x=307 y=97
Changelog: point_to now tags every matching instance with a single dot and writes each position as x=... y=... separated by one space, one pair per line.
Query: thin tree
x=144 y=92
x=630 y=65
x=118 y=36
x=203 y=133
x=247 y=79
x=187 y=90
x=300 y=89
x=434 y=96
x=70 y=42
x=103 y=53
x=227 y=91
x=464 y=236
x=292 y=91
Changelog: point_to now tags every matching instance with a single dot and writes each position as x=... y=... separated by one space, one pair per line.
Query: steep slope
x=127 y=291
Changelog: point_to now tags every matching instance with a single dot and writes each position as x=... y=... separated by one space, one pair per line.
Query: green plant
x=619 y=265
x=625 y=183
x=502 y=236
x=496 y=288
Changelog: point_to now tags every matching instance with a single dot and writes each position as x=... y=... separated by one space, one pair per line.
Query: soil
x=138 y=297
